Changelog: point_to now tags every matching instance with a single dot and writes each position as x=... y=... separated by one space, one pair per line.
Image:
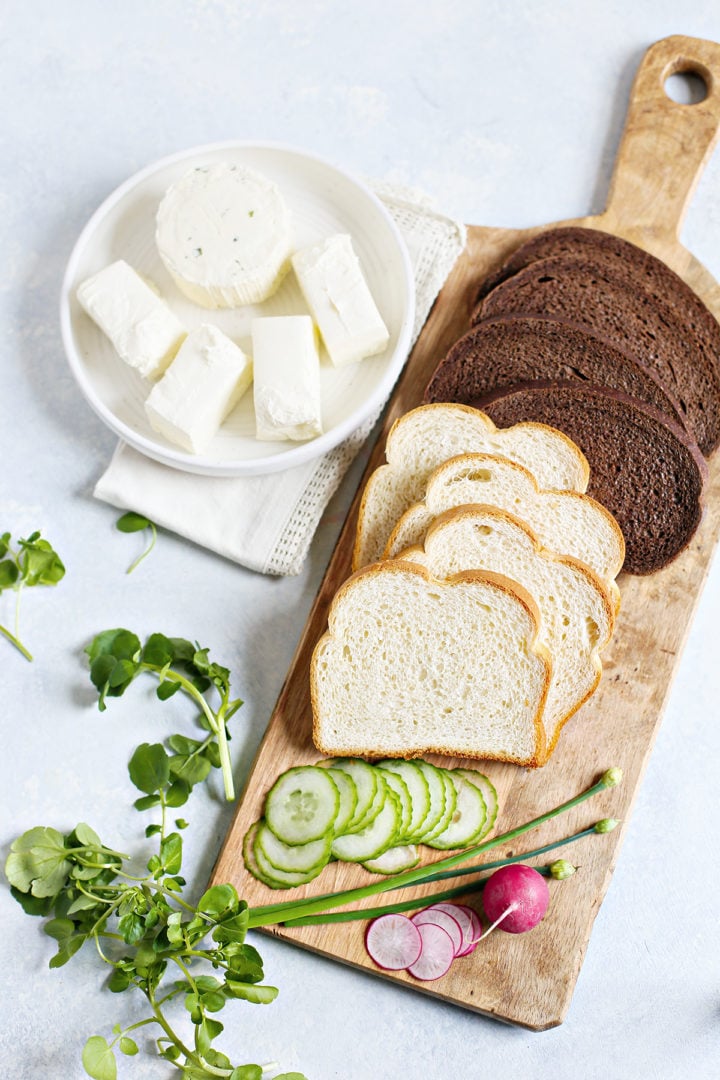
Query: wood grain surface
x=529 y=979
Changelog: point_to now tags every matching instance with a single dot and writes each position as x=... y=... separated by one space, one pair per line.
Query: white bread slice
x=577 y=614
x=565 y=522
x=425 y=437
x=411 y=665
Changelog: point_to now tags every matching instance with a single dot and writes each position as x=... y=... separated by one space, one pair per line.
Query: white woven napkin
x=267 y=522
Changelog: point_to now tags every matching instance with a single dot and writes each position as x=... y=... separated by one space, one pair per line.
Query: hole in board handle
x=686 y=87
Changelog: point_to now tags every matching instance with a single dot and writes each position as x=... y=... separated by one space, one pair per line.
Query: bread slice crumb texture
x=411 y=665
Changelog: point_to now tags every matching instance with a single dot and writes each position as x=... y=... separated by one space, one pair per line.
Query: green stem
x=216 y=722
x=297 y=909
x=16 y=642
x=174 y=1039
x=423 y=901
x=146 y=552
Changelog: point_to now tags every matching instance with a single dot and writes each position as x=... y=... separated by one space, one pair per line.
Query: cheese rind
x=144 y=331
x=287 y=378
x=335 y=290
x=224 y=234
x=203 y=384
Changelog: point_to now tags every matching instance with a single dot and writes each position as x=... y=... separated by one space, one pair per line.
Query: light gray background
x=508 y=113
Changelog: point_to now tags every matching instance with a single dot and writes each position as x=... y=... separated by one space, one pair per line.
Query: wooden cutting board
x=529 y=979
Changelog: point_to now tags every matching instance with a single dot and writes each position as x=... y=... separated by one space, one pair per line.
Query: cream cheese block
x=287 y=378
x=203 y=384
x=140 y=325
x=337 y=294
x=224 y=234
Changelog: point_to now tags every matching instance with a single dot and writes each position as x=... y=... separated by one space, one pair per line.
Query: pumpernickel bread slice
x=639 y=266
x=502 y=351
x=596 y=295
x=644 y=468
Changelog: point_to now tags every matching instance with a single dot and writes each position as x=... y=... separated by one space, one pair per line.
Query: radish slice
x=437 y=953
x=393 y=942
x=442 y=918
x=477 y=929
x=461 y=915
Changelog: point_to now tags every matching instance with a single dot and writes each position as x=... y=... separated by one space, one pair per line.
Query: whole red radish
x=515 y=898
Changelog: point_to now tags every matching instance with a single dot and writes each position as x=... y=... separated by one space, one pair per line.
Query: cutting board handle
x=665 y=145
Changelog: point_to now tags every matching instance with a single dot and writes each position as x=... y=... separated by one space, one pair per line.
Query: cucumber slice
x=365 y=779
x=488 y=792
x=261 y=870
x=449 y=810
x=468 y=819
x=302 y=805
x=417 y=785
x=376 y=838
x=438 y=797
x=292 y=858
x=398 y=785
x=348 y=799
x=394 y=860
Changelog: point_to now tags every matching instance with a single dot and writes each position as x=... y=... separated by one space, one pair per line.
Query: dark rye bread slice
x=644 y=468
x=502 y=351
x=633 y=320
x=637 y=265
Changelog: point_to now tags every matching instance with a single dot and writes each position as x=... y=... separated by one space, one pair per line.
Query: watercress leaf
x=119 y=980
x=8 y=573
x=32 y=905
x=86 y=836
x=213 y=1002
x=40 y=565
x=219 y=1060
x=132 y=928
x=147 y=802
x=37 y=862
x=98 y=1059
x=246 y=1072
x=219 y=900
x=132 y=522
x=170 y=1053
x=212 y=753
x=158 y=651
x=121 y=675
x=289 y=1076
x=195 y=1072
x=258 y=995
x=60 y=929
x=101 y=669
x=66 y=951
x=154 y=865
x=4 y=544
x=200 y=661
x=153 y=830
x=180 y=823
x=181 y=744
x=183 y=650
x=82 y=903
x=128 y=1046
x=149 y=767
x=178 y=792
x=120 y=643
x=192 y=770
x=166 y=689
x=171 y=853
x=207 y=983
x=232 y=930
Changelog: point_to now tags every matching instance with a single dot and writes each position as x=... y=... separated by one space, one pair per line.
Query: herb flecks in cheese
x=224 y=234
x=203 y=384
x=140 y=325
x=287 y=378
x=335 y=290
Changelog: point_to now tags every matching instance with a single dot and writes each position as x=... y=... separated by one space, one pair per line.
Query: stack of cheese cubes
x=224 y=234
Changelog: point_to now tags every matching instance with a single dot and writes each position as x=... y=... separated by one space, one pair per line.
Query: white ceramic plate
x=323 y=200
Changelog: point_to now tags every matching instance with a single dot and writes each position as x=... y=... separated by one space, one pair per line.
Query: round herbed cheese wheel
x=224 y=234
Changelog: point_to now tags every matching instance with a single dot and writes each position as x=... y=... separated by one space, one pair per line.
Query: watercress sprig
x=151 y=937
x=117 y=657
x=131 y=522
x=32 y=562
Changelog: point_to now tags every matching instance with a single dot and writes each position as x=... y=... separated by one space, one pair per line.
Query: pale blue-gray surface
x=508 y=113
